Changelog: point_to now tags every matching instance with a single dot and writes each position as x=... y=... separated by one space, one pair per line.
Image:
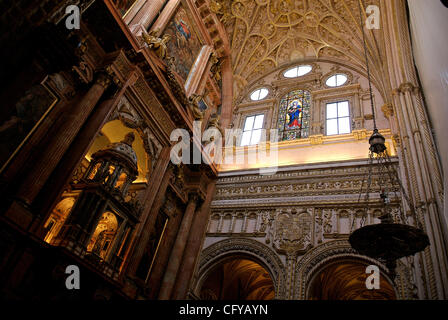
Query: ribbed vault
x=268 y=34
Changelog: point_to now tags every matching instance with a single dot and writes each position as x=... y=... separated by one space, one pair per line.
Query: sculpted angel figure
x=155 y=43
x=194 y=107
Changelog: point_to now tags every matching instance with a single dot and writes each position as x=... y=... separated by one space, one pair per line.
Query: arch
x=57 y=218
x=330 y=252
x=237 y=279
x=243 y=248
x=104 y=235
x=343 y=278
x=114 y=131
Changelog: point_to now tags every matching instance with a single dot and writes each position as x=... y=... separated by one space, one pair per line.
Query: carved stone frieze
x=292 y=231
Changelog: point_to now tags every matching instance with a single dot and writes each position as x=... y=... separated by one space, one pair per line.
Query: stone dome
x=120 y=150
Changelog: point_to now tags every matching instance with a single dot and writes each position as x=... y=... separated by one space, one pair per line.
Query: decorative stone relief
x=129 y=116
x=292 y=231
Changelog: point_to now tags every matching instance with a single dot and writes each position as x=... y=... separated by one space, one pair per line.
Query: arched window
x=259 y=94
x=294 y=115
x=337 y=80
x=297 y=71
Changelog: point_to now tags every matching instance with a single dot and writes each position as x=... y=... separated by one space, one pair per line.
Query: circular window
x=297 y=71
x=259 y=94
x=337 y=80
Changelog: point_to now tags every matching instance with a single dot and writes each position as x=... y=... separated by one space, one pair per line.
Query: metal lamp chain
x=367 y=64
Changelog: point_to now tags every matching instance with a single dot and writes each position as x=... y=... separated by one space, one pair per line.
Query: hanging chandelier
x=393 y=238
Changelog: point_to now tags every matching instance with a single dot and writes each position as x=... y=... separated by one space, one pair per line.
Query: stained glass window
x=294 y=115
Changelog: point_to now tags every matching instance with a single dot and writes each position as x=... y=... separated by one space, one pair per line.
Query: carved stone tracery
x=265 y=35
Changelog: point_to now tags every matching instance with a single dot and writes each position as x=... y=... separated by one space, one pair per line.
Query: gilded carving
x=158 y=45
x=193 y=105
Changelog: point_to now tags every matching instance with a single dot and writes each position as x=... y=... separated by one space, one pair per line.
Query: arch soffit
x=250 y=249
x=331 y=252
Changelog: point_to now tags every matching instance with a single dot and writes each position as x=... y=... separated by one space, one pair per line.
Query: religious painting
x=124 y=6
x=294 y=115
x=19 y=121
x=185 y=44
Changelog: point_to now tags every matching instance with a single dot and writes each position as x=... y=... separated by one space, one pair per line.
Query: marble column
x=227 y=93
x=155 y=278
x=193 y=247
x=73 y=157
x=422 y=169
x=178 y=250
x=165 y=16
x=197 y=71
x=145 y=16
x=358 y=116
x=153 y=200
x=316 y=120
x=133 y=11
x=63 y=138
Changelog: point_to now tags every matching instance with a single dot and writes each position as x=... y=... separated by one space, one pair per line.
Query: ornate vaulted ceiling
x=268 y=34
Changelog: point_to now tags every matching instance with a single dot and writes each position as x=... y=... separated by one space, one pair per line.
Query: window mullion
x=337 y=111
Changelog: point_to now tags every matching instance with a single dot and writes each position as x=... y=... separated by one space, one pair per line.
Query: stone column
x=291 y=258
x=165 y=16
x=418 y=153
x=258 y=222
x=358 y=112
x=198 y=69
x=178 y=250
x=145 y=16
x=316 y=134
x=244 y=226
x=134 y=10
x=193 y=247
x=155 y=278
x=153 y=200
x=73 y=122
x=227 y=93
x=81 y=222
x=219 y=226
x=73 y=157
x=232 y=223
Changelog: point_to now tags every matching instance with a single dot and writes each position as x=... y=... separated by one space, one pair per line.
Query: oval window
x=337 y=80
x=259 y=94
x=297 y=71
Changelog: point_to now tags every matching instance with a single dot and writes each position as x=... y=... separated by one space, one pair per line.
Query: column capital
x=388 y=110
x=407 y=87
x=193 y=197
x=103 y=79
